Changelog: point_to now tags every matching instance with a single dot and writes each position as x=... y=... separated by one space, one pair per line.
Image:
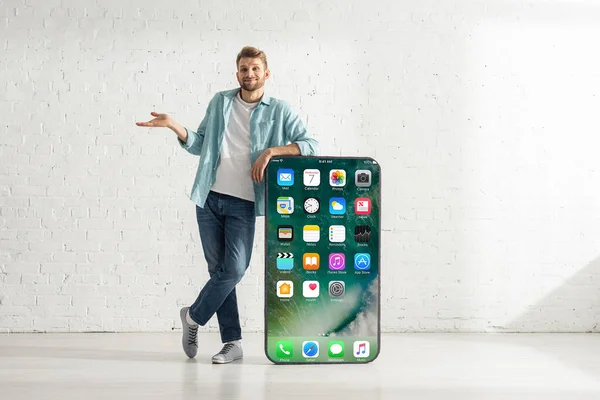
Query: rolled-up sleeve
x=195 y=139
x=295 y=132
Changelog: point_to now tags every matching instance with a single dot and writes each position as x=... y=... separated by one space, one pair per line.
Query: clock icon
x=311 y=205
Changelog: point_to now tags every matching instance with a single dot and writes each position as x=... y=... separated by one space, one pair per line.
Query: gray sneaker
x=230 y=352
x=189 y=339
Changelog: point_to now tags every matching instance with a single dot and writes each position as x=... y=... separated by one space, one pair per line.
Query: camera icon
x=362 y=178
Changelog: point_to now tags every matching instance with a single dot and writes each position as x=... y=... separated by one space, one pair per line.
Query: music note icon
x=361 y=349
x=337 y=261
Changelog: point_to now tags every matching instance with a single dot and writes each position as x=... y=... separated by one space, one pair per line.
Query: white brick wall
x=483 y=116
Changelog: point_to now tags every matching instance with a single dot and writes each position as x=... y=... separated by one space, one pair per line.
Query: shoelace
x=192 y=335
x=226 y=348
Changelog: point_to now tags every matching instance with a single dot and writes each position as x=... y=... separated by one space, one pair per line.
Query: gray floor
x=411 y=366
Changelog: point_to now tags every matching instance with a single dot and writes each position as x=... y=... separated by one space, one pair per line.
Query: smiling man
x=241 y=131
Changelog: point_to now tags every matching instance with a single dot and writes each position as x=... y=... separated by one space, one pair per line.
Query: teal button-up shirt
x=273 y=123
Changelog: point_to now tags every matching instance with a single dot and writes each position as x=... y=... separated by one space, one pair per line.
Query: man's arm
x=302 y=145
x=190 y=140
x=297 y=134
x=291 y=149
x=179 y=130
x=193 y=140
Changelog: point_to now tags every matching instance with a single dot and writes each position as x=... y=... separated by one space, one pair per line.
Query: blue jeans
x=226 y=225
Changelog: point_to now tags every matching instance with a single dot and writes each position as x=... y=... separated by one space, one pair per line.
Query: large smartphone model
x=322 y=260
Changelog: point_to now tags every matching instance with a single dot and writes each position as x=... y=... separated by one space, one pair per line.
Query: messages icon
x=337 y=206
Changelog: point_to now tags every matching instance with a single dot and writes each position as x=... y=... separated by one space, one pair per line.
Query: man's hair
x=251 y=52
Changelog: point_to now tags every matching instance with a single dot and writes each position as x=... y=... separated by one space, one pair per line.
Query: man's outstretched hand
x=258 y=169
x=159 y=121
x=165 y=121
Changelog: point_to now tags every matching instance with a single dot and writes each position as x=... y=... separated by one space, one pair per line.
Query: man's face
x=251 y=74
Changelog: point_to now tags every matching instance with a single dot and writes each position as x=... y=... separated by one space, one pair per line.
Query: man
x=242 y=130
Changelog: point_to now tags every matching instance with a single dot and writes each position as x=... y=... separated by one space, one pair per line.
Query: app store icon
x=362 y=261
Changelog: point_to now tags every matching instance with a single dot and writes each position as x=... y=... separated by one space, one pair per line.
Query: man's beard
x=252 y=85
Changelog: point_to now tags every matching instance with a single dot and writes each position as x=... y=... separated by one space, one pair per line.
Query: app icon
x=362 y=261
x=362 y=178
x=361 y=349
x=337 y=233
x=285 y=205
x=337 y=261
x=310 y=349
x=336 y=349
x=362 y=233
x=311 y=261
x=285 y=349
x=337 y=288
x=285 y=177
x=285 y=288
x=310 y=289
x=311 y=205
x=285 y=233
x=337 y=177
x=312 y=177
x=285 y=261
x=311 y=233
x=362 y=206
x=337 y=206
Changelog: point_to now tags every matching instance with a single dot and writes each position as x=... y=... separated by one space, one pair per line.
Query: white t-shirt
x=233 y=173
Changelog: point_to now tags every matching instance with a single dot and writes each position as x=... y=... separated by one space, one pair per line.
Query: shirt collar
x=266 y=99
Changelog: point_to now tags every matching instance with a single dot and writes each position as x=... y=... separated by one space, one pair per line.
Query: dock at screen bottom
x=322 y=349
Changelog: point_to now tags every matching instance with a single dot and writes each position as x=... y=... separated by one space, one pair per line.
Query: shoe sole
x=225 y=362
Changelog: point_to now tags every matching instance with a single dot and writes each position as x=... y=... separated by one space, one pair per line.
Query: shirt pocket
x=265 y=133
x=265 y=127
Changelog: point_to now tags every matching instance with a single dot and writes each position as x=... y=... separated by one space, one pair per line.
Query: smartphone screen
x=322 y=260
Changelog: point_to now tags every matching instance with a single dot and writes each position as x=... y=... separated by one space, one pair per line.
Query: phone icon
x=285 y=349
